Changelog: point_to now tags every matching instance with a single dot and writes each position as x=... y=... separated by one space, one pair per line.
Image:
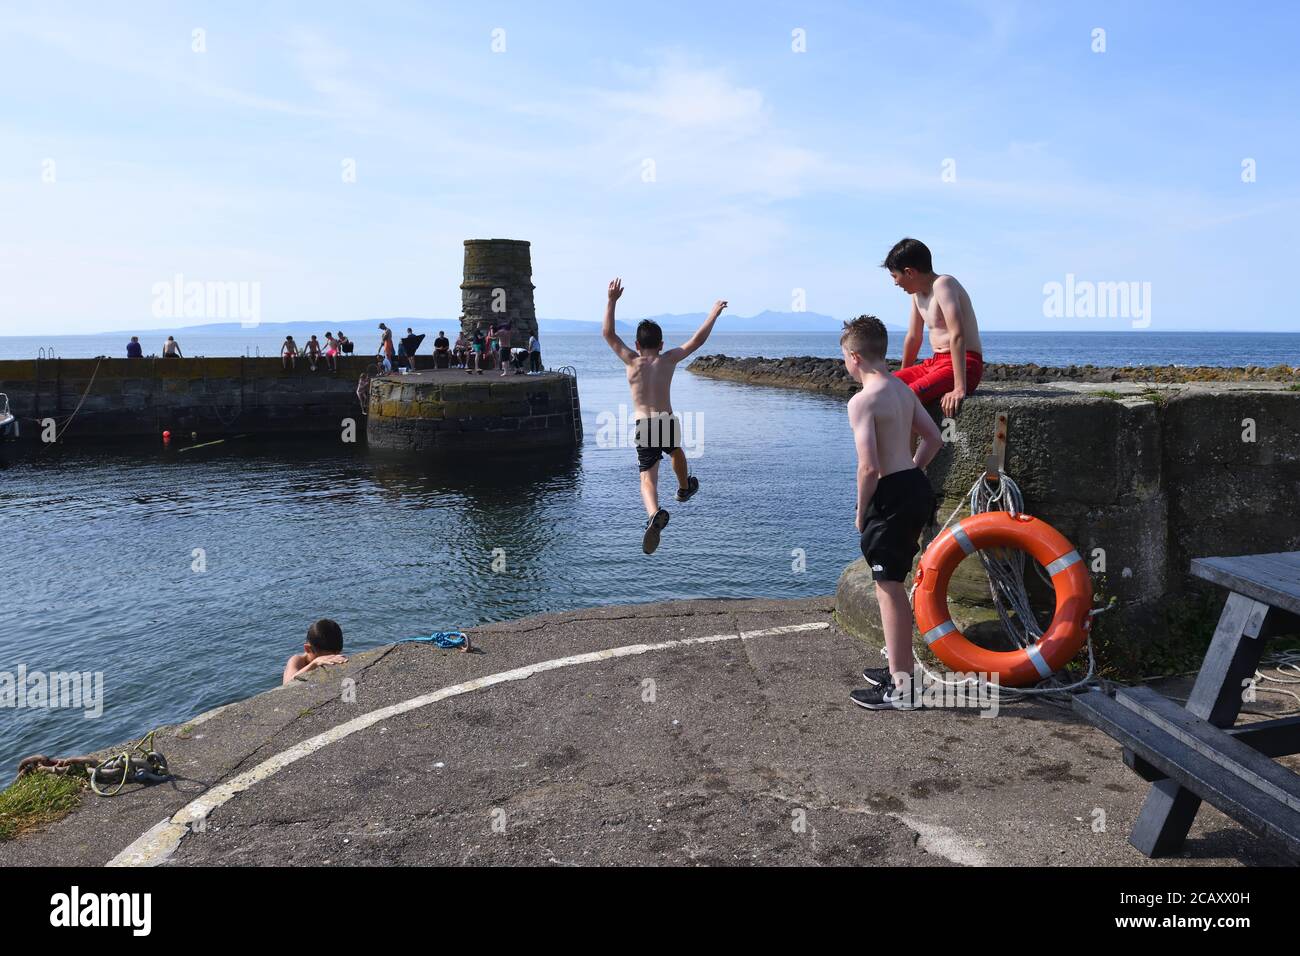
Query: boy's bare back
x=883 y=416
x=650 y=378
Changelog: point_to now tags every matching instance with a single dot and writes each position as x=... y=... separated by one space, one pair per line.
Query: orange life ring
x=998 y=529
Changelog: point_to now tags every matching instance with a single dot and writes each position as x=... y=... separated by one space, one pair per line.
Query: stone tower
x=498 y=288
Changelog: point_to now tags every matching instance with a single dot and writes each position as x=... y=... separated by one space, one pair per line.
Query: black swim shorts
x=900 y=510
x=655 y=437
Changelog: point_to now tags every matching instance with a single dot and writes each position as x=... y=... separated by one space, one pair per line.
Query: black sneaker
x=692 y=486
x=652 y=528
x=875 y=676
x=885 y=697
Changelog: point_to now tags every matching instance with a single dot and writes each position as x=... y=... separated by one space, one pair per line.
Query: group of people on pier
x=314 y=351
x=493 y=349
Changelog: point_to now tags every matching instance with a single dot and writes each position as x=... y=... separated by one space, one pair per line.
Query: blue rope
x=440 y=638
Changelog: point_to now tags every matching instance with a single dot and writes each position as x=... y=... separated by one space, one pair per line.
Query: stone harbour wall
x=137 y=398
x=1141 y=474
x=443 y=411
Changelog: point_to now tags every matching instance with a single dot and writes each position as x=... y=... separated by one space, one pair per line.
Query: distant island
x=358 y=329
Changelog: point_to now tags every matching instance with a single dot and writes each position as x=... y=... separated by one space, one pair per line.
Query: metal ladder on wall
x=572 y=373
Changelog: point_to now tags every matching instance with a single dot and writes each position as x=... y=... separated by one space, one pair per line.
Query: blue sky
x=774 y=170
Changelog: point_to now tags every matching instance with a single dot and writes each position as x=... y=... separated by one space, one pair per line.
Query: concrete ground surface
x=742 y=749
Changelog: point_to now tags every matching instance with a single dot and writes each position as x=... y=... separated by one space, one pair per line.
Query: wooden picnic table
x=1195 y=753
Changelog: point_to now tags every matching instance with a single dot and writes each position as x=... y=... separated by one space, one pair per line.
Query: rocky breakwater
x=828 y=375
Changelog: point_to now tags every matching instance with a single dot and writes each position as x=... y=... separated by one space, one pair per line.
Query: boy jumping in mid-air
x=941 y=304
x=895 y=500
x=658 y=430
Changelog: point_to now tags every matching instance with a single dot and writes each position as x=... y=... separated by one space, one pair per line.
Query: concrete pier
x=449 y=409
x=681 y=733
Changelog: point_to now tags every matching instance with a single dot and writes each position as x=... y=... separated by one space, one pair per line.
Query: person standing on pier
x=895 y=501
x=476 y=351
x=386 y=348
x=504 y=342
x=534 y=355
x=658 y=430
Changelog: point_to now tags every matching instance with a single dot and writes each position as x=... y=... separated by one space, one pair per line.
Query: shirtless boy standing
x=895 y=500
x=942 y=305
x=658 y=430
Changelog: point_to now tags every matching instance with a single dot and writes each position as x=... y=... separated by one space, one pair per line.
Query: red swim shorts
x=932 y=379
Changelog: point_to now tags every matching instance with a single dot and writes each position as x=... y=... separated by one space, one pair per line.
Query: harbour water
x=187 y=579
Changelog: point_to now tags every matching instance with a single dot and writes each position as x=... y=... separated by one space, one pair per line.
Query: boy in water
x=942 y=305
x=658 y=430
x=895 y=501
x=324 y=647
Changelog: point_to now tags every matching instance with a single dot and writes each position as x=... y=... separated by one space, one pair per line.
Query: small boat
x=8 y=424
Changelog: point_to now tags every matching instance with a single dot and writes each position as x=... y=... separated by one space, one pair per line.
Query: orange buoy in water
x=997 y=529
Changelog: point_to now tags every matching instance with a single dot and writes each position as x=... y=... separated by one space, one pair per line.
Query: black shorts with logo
x=656 y=437
x=900 y=510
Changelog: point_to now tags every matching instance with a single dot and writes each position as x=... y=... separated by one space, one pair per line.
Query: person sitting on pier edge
x=313 y=352
x=534 y=355
x=345 y=343
x=940 y=303
x=289 y=353
x=331 y=351
x=324 y=646
x=172 y=348
x=461 y=350
x=133 y=348
x=441 y=351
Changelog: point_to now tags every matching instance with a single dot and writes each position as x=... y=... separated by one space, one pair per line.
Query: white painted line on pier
x=161 y=840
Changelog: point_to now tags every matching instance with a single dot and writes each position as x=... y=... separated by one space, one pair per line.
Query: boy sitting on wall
x=942 y=305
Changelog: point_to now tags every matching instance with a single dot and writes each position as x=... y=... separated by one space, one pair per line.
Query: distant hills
x=360 y=329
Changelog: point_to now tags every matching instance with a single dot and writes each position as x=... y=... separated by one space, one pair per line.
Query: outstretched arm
x=701 y=334
x=611 y=337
